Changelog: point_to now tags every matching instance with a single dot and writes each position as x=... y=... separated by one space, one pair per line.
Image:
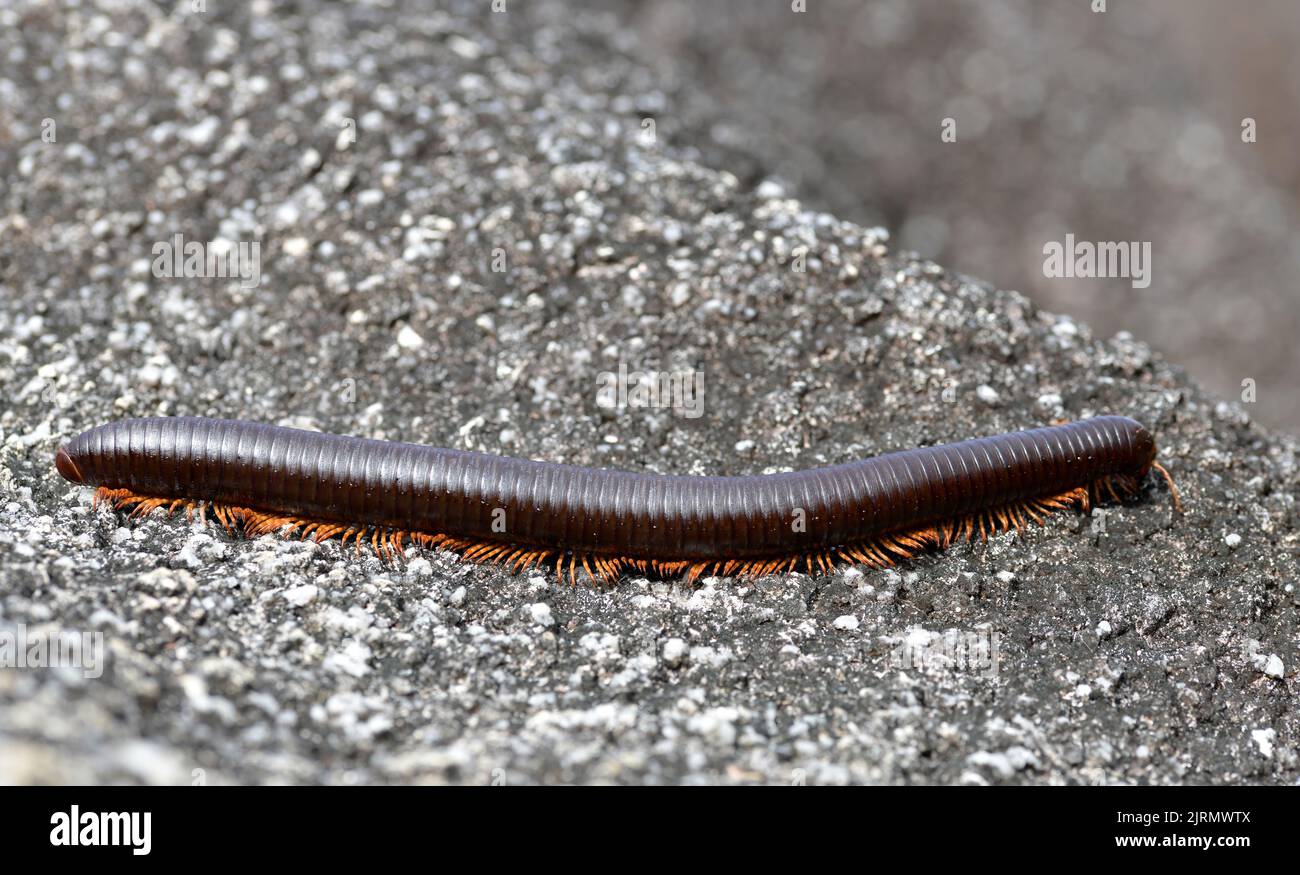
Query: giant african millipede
x=520 y=513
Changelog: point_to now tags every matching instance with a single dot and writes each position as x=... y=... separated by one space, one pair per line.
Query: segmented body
x=463 y=500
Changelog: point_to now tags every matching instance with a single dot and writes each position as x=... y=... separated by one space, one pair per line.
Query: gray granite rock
x=1116 y=126
x=1138 y=647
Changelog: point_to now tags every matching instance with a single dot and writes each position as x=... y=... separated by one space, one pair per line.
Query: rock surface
x=1140 y=646
x=1117 y=126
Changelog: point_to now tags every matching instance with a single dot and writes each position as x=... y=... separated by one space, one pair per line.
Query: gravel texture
x=1138 y=646
x=1123 y=125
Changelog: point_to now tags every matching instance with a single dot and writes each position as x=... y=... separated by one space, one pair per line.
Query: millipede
x=521 y=513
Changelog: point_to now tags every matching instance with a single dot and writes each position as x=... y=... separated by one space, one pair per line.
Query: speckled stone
x=1138 y=649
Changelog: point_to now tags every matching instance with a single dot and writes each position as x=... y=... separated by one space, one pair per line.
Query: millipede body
x=519 y=512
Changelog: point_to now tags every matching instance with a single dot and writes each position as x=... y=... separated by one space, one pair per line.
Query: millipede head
x=1144 y=447
x=1173 y=490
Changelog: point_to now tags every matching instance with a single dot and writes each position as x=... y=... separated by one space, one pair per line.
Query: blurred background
x=1117 y=126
